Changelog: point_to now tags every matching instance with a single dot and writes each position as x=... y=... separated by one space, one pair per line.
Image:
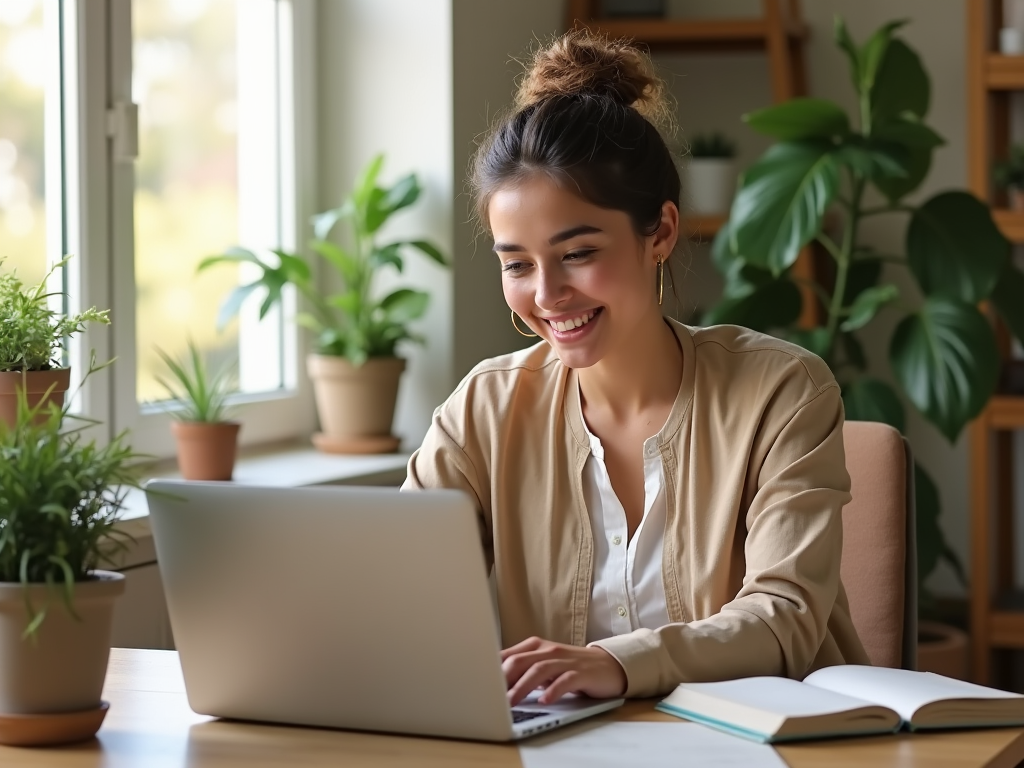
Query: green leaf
x=1008 y=298
x=846 y=44
x=946 y=360
x=294 y=268
x=872 y=55
x=404 y=305
x=348 y=302
x=367 y=182
x=803 y=118
x=918 y=141
x=867 y=304
x=814 y=340
x=430 y=250
x=873 y=159
x=901 y=85
x=233 y=255
x=774 y=305
x=867 y=399
x=954 y=248
x=233 y=303
x=781 y=203
x=340 y=259
x=387 y=255
x=404 y=193
x=324 y=222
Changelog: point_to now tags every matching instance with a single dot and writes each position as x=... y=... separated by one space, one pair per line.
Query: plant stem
x=886 y=209
x=830 y=246
x=843 y=258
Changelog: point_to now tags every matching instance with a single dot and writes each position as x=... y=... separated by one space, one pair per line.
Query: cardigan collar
x=681 y=406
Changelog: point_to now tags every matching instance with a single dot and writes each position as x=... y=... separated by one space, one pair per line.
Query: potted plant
x=710 y=174
x=207 y=441
x=60 y=497
x=1008 y=174
x=31 y=337
x=942 y=353
x=355 y=369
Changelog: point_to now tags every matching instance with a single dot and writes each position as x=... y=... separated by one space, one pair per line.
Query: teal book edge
x=762 y=738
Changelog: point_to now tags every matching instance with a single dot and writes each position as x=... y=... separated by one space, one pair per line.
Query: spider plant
x=203 y=394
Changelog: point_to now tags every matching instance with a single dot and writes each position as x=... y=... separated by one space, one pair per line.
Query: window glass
x=23 y=79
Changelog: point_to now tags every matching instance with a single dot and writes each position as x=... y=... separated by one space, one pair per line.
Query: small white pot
x=710 y=183
x=62 y=669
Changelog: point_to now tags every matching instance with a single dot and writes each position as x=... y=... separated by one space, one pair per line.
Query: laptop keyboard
x=522 y=715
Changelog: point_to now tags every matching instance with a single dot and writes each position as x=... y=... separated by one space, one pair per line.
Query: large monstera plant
x=942 y=354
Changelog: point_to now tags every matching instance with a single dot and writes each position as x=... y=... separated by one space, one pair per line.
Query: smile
x=571 y=324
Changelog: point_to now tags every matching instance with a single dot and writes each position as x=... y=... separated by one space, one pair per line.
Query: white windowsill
x=282 y=466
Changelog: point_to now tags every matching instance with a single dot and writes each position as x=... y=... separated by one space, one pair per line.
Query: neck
x=642 y=374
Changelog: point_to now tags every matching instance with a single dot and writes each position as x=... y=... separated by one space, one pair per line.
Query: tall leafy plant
x=942 y=353
x=353 y=322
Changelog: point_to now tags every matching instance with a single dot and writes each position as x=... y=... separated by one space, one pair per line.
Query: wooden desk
x=151 y=726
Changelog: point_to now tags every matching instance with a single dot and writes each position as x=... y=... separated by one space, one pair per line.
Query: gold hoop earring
x=661 y=279
x=514 y=325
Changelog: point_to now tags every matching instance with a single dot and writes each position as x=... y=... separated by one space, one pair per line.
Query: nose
x=552 y=288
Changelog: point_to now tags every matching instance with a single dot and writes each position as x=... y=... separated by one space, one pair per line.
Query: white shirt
x=628 y=592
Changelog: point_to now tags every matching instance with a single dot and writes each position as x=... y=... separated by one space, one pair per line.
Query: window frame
x=100 y=222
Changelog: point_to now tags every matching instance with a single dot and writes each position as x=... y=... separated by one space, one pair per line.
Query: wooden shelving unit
x=779 y=32
x=997 y=607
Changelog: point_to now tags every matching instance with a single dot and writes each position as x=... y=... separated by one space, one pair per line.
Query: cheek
x=518 y=295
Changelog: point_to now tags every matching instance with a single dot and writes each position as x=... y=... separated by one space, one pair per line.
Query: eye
x=579 y=254
x=514 y=267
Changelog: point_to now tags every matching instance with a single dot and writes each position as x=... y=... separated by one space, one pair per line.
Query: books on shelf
x=842 y=701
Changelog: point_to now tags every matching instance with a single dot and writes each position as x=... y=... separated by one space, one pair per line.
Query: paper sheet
x=652 y=745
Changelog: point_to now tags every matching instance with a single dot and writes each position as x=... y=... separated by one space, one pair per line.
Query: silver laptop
x=340 y=607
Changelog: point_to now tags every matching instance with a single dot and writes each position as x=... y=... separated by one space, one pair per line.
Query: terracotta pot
x=356 y=404
x=1016 y=199
x=36 y=384
x=63 y=667
x=206 y=451
x=942 y=649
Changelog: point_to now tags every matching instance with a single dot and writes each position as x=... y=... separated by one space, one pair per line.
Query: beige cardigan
x=756 y=479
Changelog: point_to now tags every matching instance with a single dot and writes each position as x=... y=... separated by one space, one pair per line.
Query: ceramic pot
x=710 y=183
x=206 y=451
x=63 y=667
x=36 y=384
x=942 y=649
x=356 y=404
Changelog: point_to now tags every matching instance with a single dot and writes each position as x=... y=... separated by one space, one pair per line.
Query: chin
x=576 y=358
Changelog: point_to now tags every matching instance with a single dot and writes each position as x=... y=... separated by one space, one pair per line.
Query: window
x=211 y=161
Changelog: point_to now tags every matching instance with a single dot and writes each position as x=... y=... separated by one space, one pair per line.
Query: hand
x=560 y=669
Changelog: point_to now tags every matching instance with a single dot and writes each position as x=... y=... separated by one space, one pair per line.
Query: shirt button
x=616 y=540
x=622 y=611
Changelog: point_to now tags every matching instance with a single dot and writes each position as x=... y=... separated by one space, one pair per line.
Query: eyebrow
x=561 y=237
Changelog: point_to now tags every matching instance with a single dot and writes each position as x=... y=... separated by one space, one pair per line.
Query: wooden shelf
x=702 y=229
x=1004 y=73
x=694 y=34
x=1010 y=223
x=1005 y=412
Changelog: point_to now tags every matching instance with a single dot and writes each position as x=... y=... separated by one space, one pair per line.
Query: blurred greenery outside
x=186 y=198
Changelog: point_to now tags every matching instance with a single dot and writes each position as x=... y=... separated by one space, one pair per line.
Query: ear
x=664 y=240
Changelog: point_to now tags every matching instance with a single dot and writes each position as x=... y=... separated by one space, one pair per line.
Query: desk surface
x=150 y=725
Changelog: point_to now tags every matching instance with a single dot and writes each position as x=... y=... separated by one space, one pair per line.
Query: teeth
x=576 y=322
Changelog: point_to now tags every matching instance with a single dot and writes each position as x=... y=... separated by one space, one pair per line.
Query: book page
x=777 y=695
x=899 y=689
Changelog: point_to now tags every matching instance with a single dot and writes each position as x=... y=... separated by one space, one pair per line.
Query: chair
x=879 y=562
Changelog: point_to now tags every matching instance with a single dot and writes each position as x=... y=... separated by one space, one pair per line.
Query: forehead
x=541 y=205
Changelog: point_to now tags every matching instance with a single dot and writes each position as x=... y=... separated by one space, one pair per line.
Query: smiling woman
x=659 y=503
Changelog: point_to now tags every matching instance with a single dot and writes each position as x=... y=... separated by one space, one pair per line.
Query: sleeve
x=441 y=462
x=778 y=620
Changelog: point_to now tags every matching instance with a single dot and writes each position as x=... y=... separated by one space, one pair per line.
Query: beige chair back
x=879 y=565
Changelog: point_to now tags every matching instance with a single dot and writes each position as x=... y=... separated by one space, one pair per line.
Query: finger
x=572 y=681
x=537 y=675
x=529 y=644
x=516 y=666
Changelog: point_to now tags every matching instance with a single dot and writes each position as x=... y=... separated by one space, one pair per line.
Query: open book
x=841 y=701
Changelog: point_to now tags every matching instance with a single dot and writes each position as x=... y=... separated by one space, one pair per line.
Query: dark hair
x=587 y=115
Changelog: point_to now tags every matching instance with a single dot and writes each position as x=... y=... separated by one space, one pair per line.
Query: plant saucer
x=47 y=730
x=366 y=444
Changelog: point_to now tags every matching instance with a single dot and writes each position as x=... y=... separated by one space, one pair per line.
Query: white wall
x=385 y=85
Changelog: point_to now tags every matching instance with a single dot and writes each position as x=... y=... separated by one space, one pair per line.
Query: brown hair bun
x=581 y=61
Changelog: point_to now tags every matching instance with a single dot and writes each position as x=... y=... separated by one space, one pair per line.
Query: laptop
x=339 y=607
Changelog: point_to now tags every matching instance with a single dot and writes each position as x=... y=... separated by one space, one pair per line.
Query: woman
x=659 y=503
